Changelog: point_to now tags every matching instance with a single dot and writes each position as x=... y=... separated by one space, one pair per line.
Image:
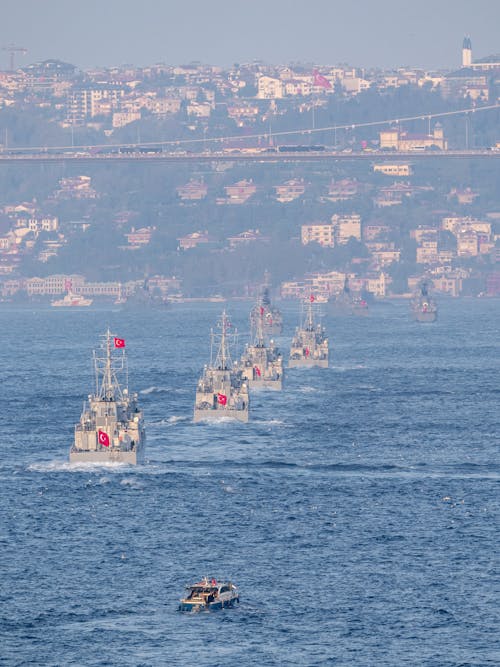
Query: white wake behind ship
x=222 y=391
x=111 y=426
x=310 y=343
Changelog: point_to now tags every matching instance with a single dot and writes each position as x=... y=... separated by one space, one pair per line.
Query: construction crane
x=13 y=49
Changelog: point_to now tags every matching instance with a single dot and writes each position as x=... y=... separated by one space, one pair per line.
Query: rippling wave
x=357 y=511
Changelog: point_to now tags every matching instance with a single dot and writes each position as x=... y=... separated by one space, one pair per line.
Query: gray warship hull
x=429 y=316
x=274 y=385
x=307 y=363
x=112 y=456
x=423 y=307
x=347 y=310
x=219 y=414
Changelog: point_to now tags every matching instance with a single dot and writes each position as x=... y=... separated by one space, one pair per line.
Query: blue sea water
x=358 y=510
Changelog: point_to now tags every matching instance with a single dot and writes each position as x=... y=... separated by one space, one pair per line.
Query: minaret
x=466 y=52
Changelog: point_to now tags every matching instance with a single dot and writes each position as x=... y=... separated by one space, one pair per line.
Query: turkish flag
x=262 y=310
x=221 y=399
x=119 y=342
x=320 y=80
x=306 y=351
x=68 y=285
x=257 y=370
x=311 y=298
x=103 y=438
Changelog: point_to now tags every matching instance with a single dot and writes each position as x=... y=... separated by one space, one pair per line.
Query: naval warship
x=273 y=320
x=347 y=302
x=111 y=427
x=262 y=364
x=222 y=391
x=143 y=297
x=424 y=308
x=309 y=344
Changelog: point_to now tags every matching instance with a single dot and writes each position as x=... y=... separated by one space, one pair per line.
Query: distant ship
x=111 y=426
x=347 y=302
x=142 y=297
x=310 y=343
x=262 y=364
x=424 y=308
x=222 y=391
x=272 y=318
x=71 y=300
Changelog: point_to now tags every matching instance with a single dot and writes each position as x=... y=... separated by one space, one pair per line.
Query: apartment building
x=270 y=88
x=239 y=192
x=396 y=139
x=318 y=232
x=193 y=240
x=194 y=190
x=346 y=227
x=290 y=190
x=91 y=101
x=138 y=238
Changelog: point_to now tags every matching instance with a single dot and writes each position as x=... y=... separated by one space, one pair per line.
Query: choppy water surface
x=358 y=511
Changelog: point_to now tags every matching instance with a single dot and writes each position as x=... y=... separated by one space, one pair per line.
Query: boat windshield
x=201 y=590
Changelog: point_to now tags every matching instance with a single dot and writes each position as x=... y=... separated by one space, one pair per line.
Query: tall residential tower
x=466 y=52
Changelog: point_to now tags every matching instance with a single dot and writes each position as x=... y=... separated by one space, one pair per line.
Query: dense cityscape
x=249 y=290
x=212 y=227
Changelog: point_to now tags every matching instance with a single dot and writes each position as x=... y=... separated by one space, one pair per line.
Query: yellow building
x=318 y=232
x=290 y=190
x=269 y=88
x=346 y=227
x=394 y=139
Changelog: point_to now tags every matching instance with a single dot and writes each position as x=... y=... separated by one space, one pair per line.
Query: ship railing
x=85 y=427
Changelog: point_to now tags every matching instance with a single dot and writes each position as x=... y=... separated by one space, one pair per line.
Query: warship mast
x=107 y=385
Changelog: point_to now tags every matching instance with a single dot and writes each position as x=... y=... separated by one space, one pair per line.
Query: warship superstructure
x=347 y=302
x=262 y=364
x=111 y=426
x=143 y=297
x=272 y=317
x=222 y=391
x=423 y=307
x=310 y=343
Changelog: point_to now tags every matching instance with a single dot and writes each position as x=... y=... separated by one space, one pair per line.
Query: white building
x=346 y=227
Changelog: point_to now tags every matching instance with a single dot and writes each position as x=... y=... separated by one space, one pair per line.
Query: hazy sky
x=365 y=33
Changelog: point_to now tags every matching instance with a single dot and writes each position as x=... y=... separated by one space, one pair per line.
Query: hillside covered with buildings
x=200 y=229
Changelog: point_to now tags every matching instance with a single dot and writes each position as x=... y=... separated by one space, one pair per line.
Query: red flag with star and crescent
x=119 y=342
x=257 y=371
x=103 y=438
x=311 y=298
x=221 y=399
x=320 y=80
x=306 y=352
